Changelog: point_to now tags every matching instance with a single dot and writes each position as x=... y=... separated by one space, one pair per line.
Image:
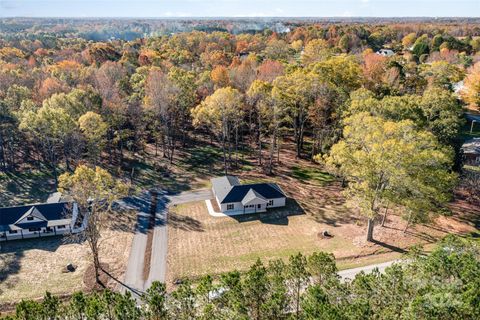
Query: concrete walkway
x=216 y=214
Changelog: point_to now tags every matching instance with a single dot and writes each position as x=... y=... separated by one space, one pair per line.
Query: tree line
x=441 y=285
x=67 y=101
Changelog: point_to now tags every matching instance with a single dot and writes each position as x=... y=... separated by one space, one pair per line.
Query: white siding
x=278 y=202
x=236 y=206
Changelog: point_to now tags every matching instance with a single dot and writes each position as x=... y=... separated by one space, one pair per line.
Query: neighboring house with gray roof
x=471 y=152
x=234 y=197
x=38 y=220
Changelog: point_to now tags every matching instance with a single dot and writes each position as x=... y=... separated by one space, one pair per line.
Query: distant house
x=385 y=52
x=471 y=152
x=233 y=197
x=38 y=220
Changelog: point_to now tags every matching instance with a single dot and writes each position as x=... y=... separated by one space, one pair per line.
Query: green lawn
x=312 y=175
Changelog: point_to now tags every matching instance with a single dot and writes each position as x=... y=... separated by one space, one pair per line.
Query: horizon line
x=244 y=17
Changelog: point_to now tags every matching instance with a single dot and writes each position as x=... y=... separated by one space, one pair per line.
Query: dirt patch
x=90 y=281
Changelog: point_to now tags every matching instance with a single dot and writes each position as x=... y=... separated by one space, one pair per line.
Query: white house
x=38 y=220
x=385 y=52
x=233 y=197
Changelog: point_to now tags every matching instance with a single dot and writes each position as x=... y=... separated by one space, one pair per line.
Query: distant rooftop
x=471 y=146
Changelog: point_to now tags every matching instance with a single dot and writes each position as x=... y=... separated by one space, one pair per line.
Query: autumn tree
x=442 y=74
x=50 y=127
x=391 y=161
x=296 y=93
x=315 y=51
x=94 y=130
x=222 y=114
x=94 y=191
x=437 y=110
x=162 y=99
x=341 y=71
x=269 y=70
x=220 y=77
x=471 y=91
x=409 y=40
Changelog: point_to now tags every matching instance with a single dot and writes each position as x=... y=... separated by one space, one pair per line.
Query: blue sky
x=237 y=8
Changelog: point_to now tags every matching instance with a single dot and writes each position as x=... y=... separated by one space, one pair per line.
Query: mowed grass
x=200 y=244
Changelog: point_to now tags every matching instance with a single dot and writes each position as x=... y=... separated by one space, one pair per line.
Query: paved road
x=351 y=273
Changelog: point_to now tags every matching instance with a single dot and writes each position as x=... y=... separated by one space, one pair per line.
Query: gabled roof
x=228 y=189
x=32 y=212
x=251 y=196
x=50 y=214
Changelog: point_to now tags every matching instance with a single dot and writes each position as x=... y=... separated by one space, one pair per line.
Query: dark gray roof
x=51 y=213
x=228 y=189
x=33 y=212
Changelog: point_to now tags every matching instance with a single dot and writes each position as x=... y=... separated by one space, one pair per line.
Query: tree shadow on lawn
x=275 y=216
x=184 y=223
x=22 y=188
x=389 y=246
x=13 y=251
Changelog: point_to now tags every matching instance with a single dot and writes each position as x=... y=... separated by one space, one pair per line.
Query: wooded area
x=66 y=101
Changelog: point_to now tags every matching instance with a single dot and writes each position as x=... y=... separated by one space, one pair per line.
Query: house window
x=259 y=206
x=29 y=218
x=270 y=203
x=13 y=231
x=33 y=229
x=61 y=227
x=230 y=206
x=48 y=229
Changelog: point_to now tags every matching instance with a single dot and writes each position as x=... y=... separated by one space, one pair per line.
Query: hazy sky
x=238 y=8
